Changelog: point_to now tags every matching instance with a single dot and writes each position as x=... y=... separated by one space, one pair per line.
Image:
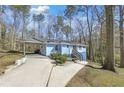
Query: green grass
x=8 y=59
x=90 y=76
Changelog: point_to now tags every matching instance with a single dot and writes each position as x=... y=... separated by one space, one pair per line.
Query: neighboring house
x=63 y=48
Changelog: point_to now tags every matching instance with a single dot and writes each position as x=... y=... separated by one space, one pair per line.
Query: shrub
x=59 y=58
x=55 y=56
x=62 y=59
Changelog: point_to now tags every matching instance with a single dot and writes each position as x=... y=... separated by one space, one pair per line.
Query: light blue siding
x=65 y=49
x=83 y=52
x=81 y=49
x=49 y=49
x=70 y=49
x=84 y=58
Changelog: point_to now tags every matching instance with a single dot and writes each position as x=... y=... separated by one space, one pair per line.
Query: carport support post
x=24 y=48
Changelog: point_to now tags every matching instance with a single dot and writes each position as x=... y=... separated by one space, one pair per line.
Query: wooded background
x=99 y=27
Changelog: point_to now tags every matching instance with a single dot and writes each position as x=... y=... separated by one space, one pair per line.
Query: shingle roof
x=55 y=42
x=64 y=43
x=31 y=40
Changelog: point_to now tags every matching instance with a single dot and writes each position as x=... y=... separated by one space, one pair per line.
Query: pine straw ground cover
x=92 y=76
x=8 y=59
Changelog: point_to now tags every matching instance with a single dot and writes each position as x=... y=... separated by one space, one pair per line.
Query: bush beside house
x=59 y=58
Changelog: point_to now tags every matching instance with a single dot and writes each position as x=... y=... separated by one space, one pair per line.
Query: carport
x=30 y=41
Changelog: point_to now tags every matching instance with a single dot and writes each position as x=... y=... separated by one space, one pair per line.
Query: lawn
x=8 y=59
x=92 y=76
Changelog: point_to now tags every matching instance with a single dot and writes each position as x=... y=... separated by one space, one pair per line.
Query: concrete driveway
x=61 y=75
x=38 y=71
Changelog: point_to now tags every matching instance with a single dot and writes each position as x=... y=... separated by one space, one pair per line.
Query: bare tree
x=90 y=29
x=69 y=13
x=82 y=31
x=100 y=17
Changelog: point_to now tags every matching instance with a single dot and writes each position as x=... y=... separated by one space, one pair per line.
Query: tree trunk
x=48 y=32
x=67 y=38
x=101 y=45
x=12 y=38
x=23 y=30
x=70 y=31
x=121 y=37
x=38 y=29
x=90 y=38
x=13 y=33
x=34 y=29
x=3 y=35
x=82 y=32
x=109 y=62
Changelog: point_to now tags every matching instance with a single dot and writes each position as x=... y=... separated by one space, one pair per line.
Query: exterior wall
x=83 y=52
x=65 y=49
x=43 y=50
x=49 y=49
x=81 y=49
x=70 y=49
x=84 y=58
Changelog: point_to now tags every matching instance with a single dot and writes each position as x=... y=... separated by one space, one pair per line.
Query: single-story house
x=63 y=48
x=47 y=47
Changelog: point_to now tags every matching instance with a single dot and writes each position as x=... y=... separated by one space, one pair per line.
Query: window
x=56 y=48
x=67 y=46
x=74 y=46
